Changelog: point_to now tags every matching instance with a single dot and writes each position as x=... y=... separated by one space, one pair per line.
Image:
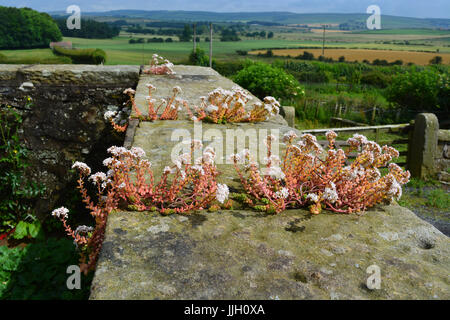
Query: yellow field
x=419 y=58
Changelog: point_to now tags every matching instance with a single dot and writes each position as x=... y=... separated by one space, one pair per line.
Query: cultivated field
x=419 y=58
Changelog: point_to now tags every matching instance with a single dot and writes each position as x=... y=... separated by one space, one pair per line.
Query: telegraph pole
x=323 y=41
x=210 y=44
x=195 y=43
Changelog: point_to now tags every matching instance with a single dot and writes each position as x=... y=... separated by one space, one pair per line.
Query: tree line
x=90 y=29
x=26 y=28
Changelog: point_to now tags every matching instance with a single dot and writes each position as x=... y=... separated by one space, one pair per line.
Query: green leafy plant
x=38 y=271
x=17 y=193
x=265 y=80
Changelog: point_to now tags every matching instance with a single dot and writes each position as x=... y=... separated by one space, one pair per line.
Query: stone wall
x=443 y=155
x=66 y=120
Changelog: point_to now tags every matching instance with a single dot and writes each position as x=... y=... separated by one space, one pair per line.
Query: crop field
x=419 y=58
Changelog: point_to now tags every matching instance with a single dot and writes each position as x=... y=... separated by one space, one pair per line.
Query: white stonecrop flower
x=222 y=192
x=168 y=170
x=98 y=177
x=129 y=91
x=137 y=152
x=107 y=162
x=61 y=213
x=273 y=159
x=150 y=86
x=282 y=194
x=109 y=114
x=395 y=190
x=289 y=136
x=83 y=230
x=275 y=172
x=330 y=194
x=211 y=108
x=185 y=158
x=331 y=134
x=83 y=167
x=176 y=89
x=117 y=151
x=313 y=197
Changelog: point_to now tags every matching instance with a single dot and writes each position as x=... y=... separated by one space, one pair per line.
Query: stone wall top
x=64 y=74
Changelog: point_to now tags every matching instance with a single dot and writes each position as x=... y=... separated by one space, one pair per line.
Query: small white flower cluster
x=272 y=105
x=137 y=152
x=269 y=139
x=109 y=114
x=61 y=213
x=150 y=86
x=274 y=172
x=194 y=143
x=98 y=177
x=312 y=197
x=289 y=136
x=273 y=159
x=161 y=62
x=129 y=91
x=83 y=167
x=331 y=134
x=222 y=192
x=83 y=230
x=395 y=189
x=208 y=156
x=330 y=194
x=282 y=194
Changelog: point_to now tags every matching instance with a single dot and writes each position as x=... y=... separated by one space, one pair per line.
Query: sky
x=407 y=8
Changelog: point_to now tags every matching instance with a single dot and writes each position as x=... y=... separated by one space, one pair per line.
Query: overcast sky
x=408 y=8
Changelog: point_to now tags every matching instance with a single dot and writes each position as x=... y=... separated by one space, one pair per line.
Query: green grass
x=119 y=51
x=412 y=31
x=38 y=271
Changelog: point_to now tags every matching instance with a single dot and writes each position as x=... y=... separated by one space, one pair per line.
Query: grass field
x=402 y=42
x=419 y=58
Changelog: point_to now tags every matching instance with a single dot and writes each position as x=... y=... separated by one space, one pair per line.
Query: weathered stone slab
x=65 y=123
x=60 y=74
x=159 y=139
x=293 y=255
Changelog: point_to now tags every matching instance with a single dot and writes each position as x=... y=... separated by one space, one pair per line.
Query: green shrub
x=228 y=68
x=375 y=78
x=82 y=56
x=38 y=271
x=319 y=76
x=17 y=193
x=264 y=80
x=416 y=90
x=199 y=57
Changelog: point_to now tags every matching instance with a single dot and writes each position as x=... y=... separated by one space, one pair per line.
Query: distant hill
x=390 y=22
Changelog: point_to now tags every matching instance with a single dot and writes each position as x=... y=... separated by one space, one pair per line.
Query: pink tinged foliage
x=159 y=66
x=318 y=179
x=223 y=106
x=129 y=184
